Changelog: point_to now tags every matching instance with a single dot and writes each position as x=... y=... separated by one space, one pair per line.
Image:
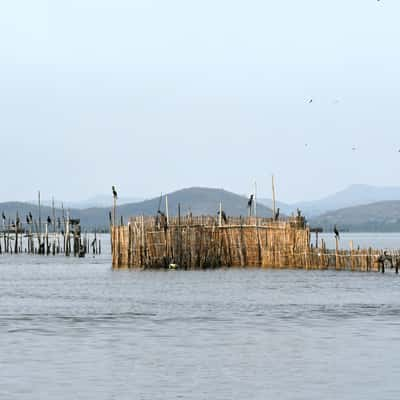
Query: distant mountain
x=196 y=200
x=101 y=200
x=285 y=208
x=353 y=195
x=375 y=217
x=199 y=201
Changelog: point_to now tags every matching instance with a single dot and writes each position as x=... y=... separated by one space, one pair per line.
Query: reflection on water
x=75 y=329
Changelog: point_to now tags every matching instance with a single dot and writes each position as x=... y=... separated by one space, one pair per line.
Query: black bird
x=276 y=216
x=49 y=220
x=336 y=232
x=115 y=195
x=28 y=220
x=223 y=216
x=250 y=201
x=3 y=216
x=30 y=216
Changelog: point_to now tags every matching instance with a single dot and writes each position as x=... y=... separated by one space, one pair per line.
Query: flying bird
x=115 y=195
x=309 y=101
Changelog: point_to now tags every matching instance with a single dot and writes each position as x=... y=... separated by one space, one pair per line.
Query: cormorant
x=49 y=220
x=250 y=201
x=28 y=220
x=276 y=216
x=336 y=232
x=30 y=216
x=223 y=216
x=115 y=195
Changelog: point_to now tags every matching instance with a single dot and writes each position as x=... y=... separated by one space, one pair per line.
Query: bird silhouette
x=115 y=195
x=250 y=201
x=223 y=216
x=49 y=220
x=336 y=232
x=276 y=216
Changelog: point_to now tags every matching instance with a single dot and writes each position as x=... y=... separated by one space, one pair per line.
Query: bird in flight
x=309 y=101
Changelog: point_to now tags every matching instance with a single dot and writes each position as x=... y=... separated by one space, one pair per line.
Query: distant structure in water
x=200 y=242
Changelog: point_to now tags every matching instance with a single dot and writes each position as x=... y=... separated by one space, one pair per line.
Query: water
x=75 y=329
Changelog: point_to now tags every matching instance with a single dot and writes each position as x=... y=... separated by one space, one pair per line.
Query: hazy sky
x=158 y=95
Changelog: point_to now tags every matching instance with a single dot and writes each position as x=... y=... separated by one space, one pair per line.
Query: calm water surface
x=75 y=329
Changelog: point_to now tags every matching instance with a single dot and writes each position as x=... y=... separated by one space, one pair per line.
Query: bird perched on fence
x=49 y=220
x=336 y=232
x=114 y=192
x=28 y=221
x=3 y=216
x=250 y=201
x=223 y=216
x=30 y=217
x=276 y=216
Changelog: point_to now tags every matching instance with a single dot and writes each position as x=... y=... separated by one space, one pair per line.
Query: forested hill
x=196 y=200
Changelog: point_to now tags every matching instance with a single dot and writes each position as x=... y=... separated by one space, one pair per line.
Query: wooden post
x=255 y=199
x=336 y=252
x=166 y=209
x=273 y=197
x=179 y=235
x=16 y=234
x=40 y=216
x=114 y=210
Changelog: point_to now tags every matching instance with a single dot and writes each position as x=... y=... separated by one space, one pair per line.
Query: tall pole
x=114 y=210
x=40 y=217
x=54 y=214
x=166 y=209
x=273 y=197
x=255 y=199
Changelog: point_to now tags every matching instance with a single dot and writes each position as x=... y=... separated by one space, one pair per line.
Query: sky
x=154 y=96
